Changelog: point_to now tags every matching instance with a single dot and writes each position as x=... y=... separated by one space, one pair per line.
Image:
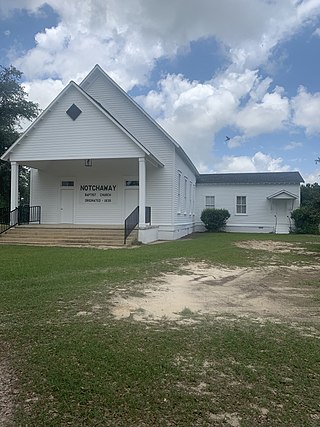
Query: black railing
x=132 y=221
x=20 y=215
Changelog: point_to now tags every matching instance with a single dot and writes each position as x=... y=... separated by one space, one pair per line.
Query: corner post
x=14 y=185
x=142 y=192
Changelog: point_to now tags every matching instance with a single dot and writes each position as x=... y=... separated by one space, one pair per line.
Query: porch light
x=88 y=163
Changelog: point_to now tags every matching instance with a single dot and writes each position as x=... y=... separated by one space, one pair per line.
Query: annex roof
x=251 y=178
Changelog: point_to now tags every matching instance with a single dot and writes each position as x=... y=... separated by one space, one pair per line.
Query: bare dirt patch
x=268 y=292
x=272 y=246
x=7 y=390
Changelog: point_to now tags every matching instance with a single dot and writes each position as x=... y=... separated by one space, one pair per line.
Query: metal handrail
x=20 y=215
x=8 y=219
x=132 y=221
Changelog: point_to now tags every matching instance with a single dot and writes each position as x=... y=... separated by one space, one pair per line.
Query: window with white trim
x=210 y=202
x=67 y=183
x=179 y=192
x=185 y=194
x=190 y=198
x=241 y=205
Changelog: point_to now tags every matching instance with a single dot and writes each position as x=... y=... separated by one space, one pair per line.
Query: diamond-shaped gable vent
x=74 y=112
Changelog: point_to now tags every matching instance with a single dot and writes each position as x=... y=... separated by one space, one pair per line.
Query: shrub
x=306 y=220
x=215 y=219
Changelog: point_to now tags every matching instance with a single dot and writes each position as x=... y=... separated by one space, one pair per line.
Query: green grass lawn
x=98 y=371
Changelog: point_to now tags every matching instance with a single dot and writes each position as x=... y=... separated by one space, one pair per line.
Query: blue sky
x=236 y=83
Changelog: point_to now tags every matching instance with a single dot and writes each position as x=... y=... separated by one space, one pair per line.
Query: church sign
x=97 y=193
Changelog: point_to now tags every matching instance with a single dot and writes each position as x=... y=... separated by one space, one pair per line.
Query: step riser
x=66 y=237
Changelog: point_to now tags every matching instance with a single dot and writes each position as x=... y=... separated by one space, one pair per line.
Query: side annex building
x=95 y=155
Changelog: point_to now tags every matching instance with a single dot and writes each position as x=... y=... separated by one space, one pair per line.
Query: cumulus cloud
x=306 y=107
x=266 y=116
x=128 y=37
x=193 y=112
x=43 y=91
x=259 y=162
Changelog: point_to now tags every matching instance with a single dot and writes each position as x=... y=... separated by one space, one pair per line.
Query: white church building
x=95 y=156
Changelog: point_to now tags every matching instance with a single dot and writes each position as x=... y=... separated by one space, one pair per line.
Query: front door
x=131 y=200
x=67 y=206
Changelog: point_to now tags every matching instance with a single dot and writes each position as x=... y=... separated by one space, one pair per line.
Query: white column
x=14 y=185
x=142 y=192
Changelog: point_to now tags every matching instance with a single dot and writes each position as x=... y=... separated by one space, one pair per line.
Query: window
x=190 y=198
x=74 y=112
x=185 y=194
x=179 y=191
x=132 y=183
x=241 y=205
x=67 y=183
x=210 y=202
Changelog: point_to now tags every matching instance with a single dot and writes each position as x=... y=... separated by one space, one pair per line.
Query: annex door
x=282 y=216
x=67 y=206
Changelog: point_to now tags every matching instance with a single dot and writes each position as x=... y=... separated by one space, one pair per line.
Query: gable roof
x=98 y=70
x=282 y=194
x=251 y=178
x=97 y=105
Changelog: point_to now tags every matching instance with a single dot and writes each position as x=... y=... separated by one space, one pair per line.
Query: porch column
x=14 y=185
x=142 y=192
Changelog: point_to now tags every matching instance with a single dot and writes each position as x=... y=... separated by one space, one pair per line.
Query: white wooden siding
x=91 y=135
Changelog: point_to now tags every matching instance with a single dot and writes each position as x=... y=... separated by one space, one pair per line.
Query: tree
x=14 y=107
x=215 y=219
x=307 y=217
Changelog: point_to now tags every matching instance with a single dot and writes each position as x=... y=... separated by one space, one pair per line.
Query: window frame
x=241 y=205
x=210 y=205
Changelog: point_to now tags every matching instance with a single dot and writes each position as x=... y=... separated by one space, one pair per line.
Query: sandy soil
x=272 y=292
x=7 y=389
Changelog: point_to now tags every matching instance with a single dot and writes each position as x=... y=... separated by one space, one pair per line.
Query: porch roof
x=282 y=195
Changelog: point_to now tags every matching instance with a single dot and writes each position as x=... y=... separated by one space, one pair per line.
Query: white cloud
x=127 y=37
x=43 y=91
x=193 y=112
x=260 y=162
x=293 y=145
x=317 y=32
x=267 y=116
x=306 y=107
x=311 y=178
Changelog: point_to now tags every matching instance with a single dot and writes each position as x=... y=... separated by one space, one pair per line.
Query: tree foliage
x=307 y=217
x=215 y=219
x=14 y=107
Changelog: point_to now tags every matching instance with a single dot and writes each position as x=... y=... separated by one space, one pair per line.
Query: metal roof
x=251 y=178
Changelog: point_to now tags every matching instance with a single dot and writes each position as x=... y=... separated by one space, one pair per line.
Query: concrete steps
x=66 y=236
